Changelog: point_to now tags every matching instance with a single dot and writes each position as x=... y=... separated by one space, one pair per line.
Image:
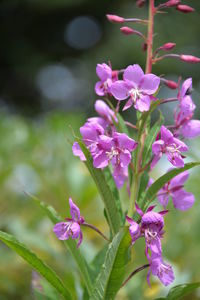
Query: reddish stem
x=152 y=12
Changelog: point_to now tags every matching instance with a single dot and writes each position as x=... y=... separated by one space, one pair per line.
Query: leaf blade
x=113 y=270
x=35 y=262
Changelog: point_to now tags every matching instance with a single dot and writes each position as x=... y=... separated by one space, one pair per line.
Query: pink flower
x=184 y=125
x=134 y=229
x=182 y=200
x=105 y=74
x=170 y=146
x=71 y=228
x=117 y=151
x=162 y=270
x=137 y=87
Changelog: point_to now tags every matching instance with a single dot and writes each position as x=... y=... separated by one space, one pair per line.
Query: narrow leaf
x=113 y=209
x=147 y=151
x=70 y=244
x=113 y=269
x=177 y=292
x=160 y=182
x=36 y=263
x=181 y=290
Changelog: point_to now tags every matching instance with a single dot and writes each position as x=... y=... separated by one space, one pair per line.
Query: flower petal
x=78 y=152
x=103 y=71
x=74 y=211
x=134 y=74
x=119 y=90
x=191 y=129
x=143 y=103
x=150 y=84
x=183 y=200
x=99 y=89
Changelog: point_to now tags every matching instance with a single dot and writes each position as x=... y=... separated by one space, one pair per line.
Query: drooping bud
x=190 y=59
x=185 y=8
x=144 y=46
x=115 y=19
x=127 y=30
x=167 y=46
x=172 y=3
x=140 y=3
x=171 y=84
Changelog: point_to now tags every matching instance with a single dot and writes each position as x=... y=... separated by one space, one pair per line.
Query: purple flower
x=151 y=228
x=71 y=228
x=137 y=87
x=117 y=151
x=152 y=224
x=90 y=132
x=169 y=145
x=105 y=74
x=134 y=229
x=182 y=200
x=160 y=269
x=184 y=125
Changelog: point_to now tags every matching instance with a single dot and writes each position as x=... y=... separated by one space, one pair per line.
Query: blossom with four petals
x=137 y=87
x=71 y=228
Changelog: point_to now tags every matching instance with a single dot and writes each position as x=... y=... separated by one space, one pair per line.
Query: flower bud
x=127 y=30
x=140 y=3
x=185 y=8
x=144 y=46
x=115 y=19
x=171 y=84
x=167 y=46
x=172 y=3
x=190 y=58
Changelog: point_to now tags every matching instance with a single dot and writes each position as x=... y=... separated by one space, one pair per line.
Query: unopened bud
x=167 y=46
x=144 y=46
x=115 y=75
x=190 y=58
x=185 y=8
x=171 y=84
x=172 y=3
x=115 y=19
x=140 y=3
x=127 y=30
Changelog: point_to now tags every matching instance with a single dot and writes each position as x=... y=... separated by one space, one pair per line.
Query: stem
x=152 y=11
x=169 y=100
x=133 y=273
x=141 y=138
x=131 y=125
x=165 y=56
x=95 y=229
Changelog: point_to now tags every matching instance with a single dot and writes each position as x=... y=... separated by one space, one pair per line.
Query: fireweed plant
x=115 y=159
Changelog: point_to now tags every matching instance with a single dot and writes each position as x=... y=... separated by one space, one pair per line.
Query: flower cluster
x=112 y=148
x=106 y=145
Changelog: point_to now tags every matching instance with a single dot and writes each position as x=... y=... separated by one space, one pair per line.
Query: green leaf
x=177 y=292
x=70 y=244
x=113 y=269
x=143 y=185
x=160 y=182
x=112 y=207
x=147 y=152
x=36 y=263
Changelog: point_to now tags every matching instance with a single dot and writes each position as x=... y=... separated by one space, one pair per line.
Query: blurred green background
x=49 y=51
